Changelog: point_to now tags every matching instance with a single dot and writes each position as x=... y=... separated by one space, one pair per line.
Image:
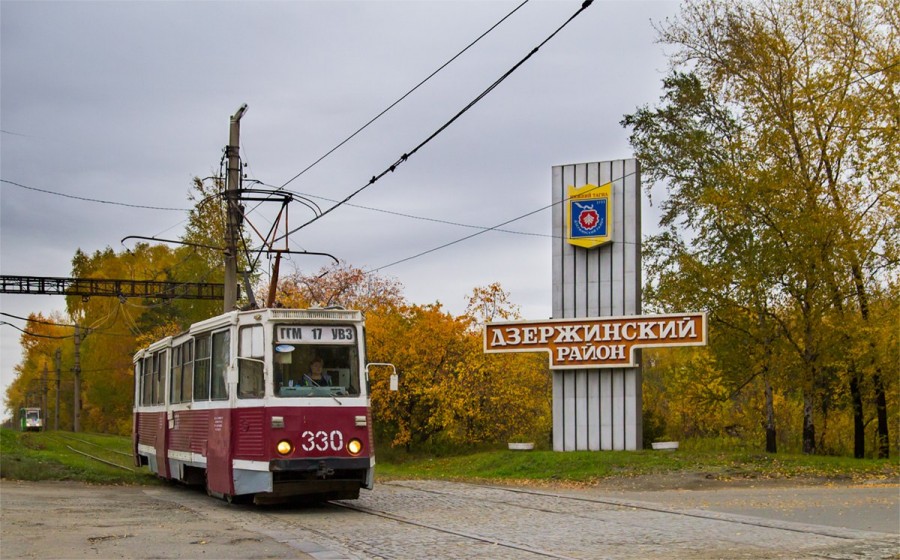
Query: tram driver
x=316 y=377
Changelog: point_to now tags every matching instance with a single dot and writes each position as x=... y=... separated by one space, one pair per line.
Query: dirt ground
x=75 y=520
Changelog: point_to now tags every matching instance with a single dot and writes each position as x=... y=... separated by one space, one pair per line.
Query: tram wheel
x=239 y=500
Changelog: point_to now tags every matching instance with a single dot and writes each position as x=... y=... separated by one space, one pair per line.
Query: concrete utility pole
x=44 y=389
x=76 y=404
x=58 y=358
x=233 y=214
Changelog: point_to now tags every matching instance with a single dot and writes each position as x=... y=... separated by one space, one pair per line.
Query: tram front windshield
x=316 y=361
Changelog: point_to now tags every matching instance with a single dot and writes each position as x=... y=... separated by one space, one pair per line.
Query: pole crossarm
x=97 y=287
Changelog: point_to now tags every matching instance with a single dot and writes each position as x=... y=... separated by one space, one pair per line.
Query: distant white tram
x=31 y=419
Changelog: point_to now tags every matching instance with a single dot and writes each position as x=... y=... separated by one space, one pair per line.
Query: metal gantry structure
x=102 y=287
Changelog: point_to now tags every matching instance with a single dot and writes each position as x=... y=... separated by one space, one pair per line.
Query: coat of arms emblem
x=588 y=214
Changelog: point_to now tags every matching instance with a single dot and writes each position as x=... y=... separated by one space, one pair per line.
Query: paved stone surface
x=428 y=519
x=431 y=519
x=865 y=507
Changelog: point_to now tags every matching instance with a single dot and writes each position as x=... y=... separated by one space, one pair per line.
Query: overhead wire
x=93 y=199
x=36 y=320
x=317 y=211
x=426 y=218
x=404 y=96
x=94 y=330
x=35 y=334
x=494 y=228
x=405 y=157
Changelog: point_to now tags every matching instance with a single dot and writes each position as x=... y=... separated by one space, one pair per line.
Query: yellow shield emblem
x=589 y=215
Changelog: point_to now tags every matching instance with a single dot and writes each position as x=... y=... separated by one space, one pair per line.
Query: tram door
x=218 y=453
x=162 y=444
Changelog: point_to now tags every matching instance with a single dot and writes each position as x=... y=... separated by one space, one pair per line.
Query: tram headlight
x=354 y=446
x=284 y=447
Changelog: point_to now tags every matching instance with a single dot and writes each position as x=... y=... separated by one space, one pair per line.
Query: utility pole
x=44 y=397
x=232 y=208
x=58 y=357
x=76 y=404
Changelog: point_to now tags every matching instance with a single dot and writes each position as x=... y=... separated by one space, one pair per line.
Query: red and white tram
x=263 y=404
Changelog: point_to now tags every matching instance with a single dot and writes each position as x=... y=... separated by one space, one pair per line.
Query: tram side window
x=221 y=354
x=182 y=372
x=201 y=369
x=177 y=375
x=250 y=363
x=147 y=381
x=138 y=382
x=159 y=376
x=187 y=362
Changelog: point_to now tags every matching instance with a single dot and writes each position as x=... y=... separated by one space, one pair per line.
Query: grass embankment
x=61 y=456
x=587 y=468
x=54 y=456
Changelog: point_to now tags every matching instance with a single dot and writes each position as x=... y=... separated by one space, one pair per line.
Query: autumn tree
x=451 y=392
x=496 y=397
x=112 y=329
x=340 y=284
x=41 y=338
x=777 y=140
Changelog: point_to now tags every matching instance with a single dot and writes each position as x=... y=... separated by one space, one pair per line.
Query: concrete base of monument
x=665 y=445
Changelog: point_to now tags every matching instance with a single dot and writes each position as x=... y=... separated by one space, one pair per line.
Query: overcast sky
x=127 y=101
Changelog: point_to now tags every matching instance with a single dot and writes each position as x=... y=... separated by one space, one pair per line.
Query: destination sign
x=305 y=334
x=603 y=342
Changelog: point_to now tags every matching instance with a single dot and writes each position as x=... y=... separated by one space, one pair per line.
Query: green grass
x=53 y=456
x=584 y=467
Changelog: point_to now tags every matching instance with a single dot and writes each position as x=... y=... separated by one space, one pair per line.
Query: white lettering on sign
x=306 y=334
x=596 y=342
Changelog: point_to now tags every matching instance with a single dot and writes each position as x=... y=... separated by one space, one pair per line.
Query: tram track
x=564 y=510
x=336 y=543
x=833 y=532
x=466 y=535
x=413 y=519
x=70 y=438
x=64 y=437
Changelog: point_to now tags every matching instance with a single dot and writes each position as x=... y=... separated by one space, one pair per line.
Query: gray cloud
x=126 y=101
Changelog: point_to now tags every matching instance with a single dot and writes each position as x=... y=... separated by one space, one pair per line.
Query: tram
x=31 y=419
x=262 y=405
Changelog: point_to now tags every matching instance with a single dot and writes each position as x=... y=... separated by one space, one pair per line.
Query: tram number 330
x=322 y=441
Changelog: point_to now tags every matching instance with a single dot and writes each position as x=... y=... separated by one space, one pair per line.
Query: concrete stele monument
x=597 y=330
x=597 y=408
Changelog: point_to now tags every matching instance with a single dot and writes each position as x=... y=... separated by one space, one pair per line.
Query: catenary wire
x=35 y=320
x=35 y=334
x=93 y=199
x=391 y=106
x=403 y=158
x=424 y=218
x=404 y=96
x=494 y=228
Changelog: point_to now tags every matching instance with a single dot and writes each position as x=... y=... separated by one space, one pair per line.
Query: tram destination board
x=308 y=334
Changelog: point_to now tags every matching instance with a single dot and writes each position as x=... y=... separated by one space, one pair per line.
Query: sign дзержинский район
x=601 y=342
